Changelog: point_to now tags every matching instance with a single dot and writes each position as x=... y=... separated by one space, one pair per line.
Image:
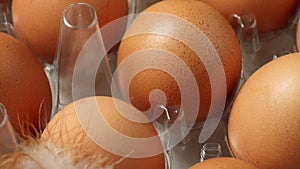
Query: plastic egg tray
x=257 y=49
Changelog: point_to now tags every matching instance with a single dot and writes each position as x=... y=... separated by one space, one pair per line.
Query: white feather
x=46 y=155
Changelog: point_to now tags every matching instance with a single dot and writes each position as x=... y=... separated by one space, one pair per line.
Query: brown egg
x=298 y=36
x=24 y=87
x=223 y=163
x=209 y=22
x=270 y=14
x=264 y=122
x=67 y=128
x=37 y=22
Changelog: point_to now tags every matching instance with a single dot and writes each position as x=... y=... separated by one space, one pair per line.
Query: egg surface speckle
x=264 y=122
x=208 y=21
x=24 y=87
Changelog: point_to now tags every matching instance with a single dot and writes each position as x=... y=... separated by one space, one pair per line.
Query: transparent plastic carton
x=257 y=49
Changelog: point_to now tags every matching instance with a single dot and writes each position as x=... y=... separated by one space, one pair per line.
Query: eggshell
x=37 y=22
x=207 y=20
x=65 y=129
x=264 y=122
x=24 y=87
x=223 y=163
x=270 y=14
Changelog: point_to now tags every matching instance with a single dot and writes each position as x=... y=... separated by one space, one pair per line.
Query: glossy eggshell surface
x=24 y=87
x=264 y=122
x=208 y=21
x=65 y=130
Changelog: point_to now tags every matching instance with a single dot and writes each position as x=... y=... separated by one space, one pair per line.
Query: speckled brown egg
x=37 y=22
x=24 y=87
x=208 y=21
x=270 y=14
x=78 y=125
x=264 y=122
x=223 y=163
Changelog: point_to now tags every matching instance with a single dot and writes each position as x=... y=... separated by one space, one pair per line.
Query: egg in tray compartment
x=258 y=47
x=212 y=79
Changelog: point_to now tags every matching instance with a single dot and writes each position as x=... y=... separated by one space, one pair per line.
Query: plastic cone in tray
x=79 y=46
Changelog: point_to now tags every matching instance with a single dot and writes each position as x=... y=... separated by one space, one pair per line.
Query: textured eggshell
x=270 y=14
x=24 y=87
x=207 y=20
x=37 y=22
x=264 y=122
x=66 y=130
x=223 y=163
